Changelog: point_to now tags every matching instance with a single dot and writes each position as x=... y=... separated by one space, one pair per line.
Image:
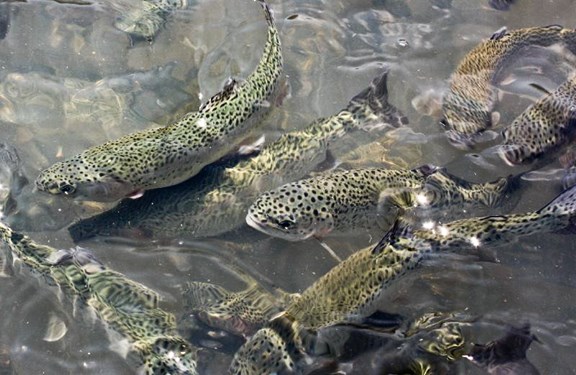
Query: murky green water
x=53 y=55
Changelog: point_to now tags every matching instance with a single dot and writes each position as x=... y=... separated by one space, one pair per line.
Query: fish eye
x=444 y=123
x=67 y=189
x=285 y=223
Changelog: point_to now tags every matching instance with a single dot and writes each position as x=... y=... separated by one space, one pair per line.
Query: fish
x=501 y=4
x=161 y=157
x=359 y=198
x=218 y=200
x=468 y=105
x=364 y=350
x=11 y=172
x=240 y=313
x=134 y=100
x=507 y=355
x=146 y=20
x=543 y=128
x=350 y=291
x=126 y=307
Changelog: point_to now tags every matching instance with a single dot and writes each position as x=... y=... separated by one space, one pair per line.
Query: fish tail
x=199 y=295
x=501 y=191
x=267 y=12
x=563 y=210
x=372 y=106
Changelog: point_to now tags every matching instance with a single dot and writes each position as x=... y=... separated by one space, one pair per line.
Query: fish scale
x=165 y=156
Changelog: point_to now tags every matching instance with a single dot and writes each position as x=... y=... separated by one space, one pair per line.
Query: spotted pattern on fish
x=350 y=290
x=359 y=198
x=542 y=128
x=241 y=313
x=147 y=19
x=165 y=156
x=334 y=201
x=220 y=201
x=125 y=306
x=468 y=106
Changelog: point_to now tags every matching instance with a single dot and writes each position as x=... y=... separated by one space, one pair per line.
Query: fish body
x=507 y=355
x=350 y=290
x=125 y=306
x=165 y=156
x=467 y=107
x=146 y=20
x=358 y=198
x=542 y=128
x=368 y=351
x=240 y=313
x=335 y=201
x=141 y=98
x=219 y=200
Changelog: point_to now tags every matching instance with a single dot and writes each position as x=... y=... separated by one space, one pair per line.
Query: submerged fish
x=141 y=97
x=542 y=128
x=125 y=306
x=507 y=355
x=11 y=173
x=349 y=292
x=147 y=19
x=165 y=156
x=501 y=4
x=468 y=106
x=360 y=198
x=240 y=313
x=367 y=351
x=219 y=201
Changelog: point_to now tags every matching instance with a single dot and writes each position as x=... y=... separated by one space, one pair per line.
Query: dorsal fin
x=499 y=33
x=227 y=90
x=399 y=229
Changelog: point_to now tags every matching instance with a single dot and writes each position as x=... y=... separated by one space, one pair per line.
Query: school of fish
x=189 y=180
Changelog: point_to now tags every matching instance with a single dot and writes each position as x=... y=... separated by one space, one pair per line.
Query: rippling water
x=52 y=56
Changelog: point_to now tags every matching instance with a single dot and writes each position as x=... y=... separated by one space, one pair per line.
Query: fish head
x=266 y=352
x=81 y=179
x=464 y=122
x=291 y=212
x=170 y=355
x=445 y=341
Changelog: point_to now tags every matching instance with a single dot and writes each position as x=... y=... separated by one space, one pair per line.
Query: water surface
x=51 y=51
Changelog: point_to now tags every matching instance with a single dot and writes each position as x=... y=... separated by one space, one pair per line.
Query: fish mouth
x=252 y=222
x=274 y=231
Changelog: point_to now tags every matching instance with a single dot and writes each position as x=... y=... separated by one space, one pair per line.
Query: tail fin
x=499 y=192
x=563 y=208
x=373 y=109
x=510 y=348
x=267 y=13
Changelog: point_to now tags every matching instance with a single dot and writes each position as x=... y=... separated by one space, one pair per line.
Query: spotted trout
x=165 y=156
x=543 y=128
x=125 y=306
x=360 y=198
x=467 y=107
x=146 y=20
x=219 y=201
x=351 y=290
